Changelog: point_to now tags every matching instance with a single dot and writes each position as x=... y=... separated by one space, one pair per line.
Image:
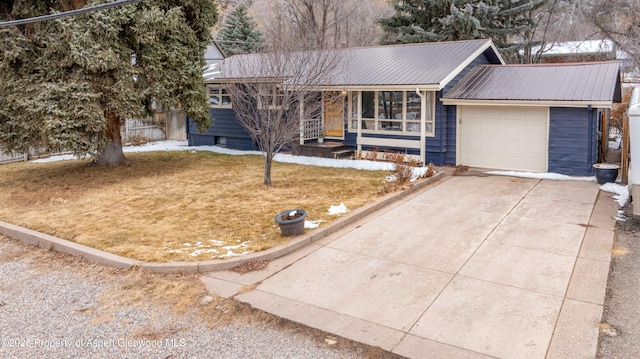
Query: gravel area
x=622 y=307
x=56 y=306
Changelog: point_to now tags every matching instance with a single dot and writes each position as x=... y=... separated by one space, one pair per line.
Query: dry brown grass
x=618 y=251
x=166 y=199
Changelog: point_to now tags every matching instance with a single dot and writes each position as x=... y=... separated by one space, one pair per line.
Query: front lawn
x=175 y=206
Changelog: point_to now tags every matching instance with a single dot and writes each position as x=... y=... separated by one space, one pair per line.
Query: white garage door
x=505 y=138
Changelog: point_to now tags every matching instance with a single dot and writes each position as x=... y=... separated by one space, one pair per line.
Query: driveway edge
x=93 y=255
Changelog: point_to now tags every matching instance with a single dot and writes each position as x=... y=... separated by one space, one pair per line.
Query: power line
x=68 y=13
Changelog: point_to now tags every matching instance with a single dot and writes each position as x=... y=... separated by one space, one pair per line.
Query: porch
x=330 y=149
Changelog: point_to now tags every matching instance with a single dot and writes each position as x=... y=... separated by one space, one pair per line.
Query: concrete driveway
x=472 y=267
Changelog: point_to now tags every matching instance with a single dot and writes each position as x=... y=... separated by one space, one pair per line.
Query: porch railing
x=312 y=129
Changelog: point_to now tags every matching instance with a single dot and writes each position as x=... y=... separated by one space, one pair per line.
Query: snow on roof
x=577 y=47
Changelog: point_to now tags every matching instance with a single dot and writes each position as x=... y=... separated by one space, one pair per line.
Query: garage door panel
x=492 y=127
x=533 y=149
x=512 y=145
x=509 y=138
x=474 y=129
x=512 y=129
x=492 y=146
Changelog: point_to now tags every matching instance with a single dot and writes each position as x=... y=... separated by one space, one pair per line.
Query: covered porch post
x=423 y=126
x=358 y=106
x=301 y=114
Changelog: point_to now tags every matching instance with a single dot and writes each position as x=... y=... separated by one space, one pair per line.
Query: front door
x=333 y=114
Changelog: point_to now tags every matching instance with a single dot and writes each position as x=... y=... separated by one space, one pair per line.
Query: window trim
x=353 y=122
x=275 y=95
x=219 y=95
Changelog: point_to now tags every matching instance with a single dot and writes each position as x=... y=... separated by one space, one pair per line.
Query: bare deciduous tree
x=272 y=91
x=539 y=37
x=317 y=24
x=618 y=20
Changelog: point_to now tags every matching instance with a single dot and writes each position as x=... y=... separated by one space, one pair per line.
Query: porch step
x=346 y=153
x=326 y=149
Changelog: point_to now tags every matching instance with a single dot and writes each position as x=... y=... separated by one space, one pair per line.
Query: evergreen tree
x=239 y=34
x=69 y=84
x=415 y=21
x=503 y=21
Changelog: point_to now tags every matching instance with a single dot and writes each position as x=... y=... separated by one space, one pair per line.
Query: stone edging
x=46 y=241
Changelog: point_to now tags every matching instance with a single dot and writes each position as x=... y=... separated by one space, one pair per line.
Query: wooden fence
x=163 y=126
x=6 y=158
x=144 y=130
x=626 y=150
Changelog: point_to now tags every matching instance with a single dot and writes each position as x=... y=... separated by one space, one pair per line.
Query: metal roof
x=434 y=63
x=577 y=82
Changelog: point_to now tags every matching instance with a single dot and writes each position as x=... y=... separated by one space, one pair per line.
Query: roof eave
x=429 y=87
x=532 y=103
x=345 y=87
x=467 y=62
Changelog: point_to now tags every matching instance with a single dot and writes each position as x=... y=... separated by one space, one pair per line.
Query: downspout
x=423 y=127
x=359 y=122
x=301 y=113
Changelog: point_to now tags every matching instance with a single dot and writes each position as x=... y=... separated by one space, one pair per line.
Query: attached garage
x=510 y=138
x=533 y=118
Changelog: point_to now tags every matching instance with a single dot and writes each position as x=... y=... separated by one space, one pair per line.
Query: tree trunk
x=268 y=158
x=111 y=154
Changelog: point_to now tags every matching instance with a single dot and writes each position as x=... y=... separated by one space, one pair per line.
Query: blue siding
x=350 y=139
x=572 y=140
x=224 y=125
x=441 y=149
x=452 y=131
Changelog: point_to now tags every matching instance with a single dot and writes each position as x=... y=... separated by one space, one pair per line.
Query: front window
x=368 y=110
x=391 y=111
x=413 y=112
x=218 y=96
x=272 y=98
x=390 y=107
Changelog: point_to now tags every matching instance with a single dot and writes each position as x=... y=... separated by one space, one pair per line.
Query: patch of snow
x=339 y=209
x=550 y=176
x=312 y=224
x=620 y=217
x=606 y=166
x=56 y=158
x=334 y=163
x=280 y=157
x=241 y=245
x=230 y=253
x=615 y=144
x=419 y=172
x=293 y=213
x=621 y=192
x=202 y=248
